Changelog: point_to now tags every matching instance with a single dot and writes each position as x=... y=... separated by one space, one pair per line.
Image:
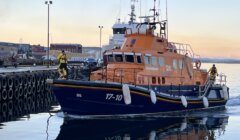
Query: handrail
x=221 y=79
x=206 y=86
x=183 y=49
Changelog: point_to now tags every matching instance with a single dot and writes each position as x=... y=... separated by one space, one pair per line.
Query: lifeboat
x=147 y=75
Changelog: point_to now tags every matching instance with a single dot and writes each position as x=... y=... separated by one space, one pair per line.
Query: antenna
x=132 y=15
x=140 y=4
x=167 y=17
x=118 y=16
x=155 y=14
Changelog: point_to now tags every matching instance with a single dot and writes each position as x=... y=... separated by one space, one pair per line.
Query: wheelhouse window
x=175 y=64
x=161 y=61
x=180 y=63
x=110 y=58
x=163 y=80
x=119 y=58
x=154 y=61
x=154 y=80
x=159 y=81
x=129 y=58
x=119 y=31
x=138 y=58
x=147 y=60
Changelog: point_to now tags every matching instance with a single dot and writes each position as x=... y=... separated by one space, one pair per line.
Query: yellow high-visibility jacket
x=62 y=58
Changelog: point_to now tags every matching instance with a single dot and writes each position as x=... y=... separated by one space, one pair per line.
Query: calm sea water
x=203 y=125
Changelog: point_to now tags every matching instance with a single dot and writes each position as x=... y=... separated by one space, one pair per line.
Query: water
x=45 y=122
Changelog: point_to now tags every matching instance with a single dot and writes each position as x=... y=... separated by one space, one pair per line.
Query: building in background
x=8 y=49
x=38 y=51
x=24 y=49
x=74 y=48
x=93 y=51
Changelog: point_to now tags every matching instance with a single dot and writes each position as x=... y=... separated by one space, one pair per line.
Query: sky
x=212 y=27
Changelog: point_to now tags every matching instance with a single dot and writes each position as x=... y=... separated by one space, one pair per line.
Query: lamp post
x=100 y=27
x=48 y=3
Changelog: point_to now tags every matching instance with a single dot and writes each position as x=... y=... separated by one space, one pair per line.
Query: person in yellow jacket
x=213 y=72
x=62 y=59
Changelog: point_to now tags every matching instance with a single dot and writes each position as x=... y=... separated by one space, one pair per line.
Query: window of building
x=154 y=61
x=129 y=58
x=175 y=64
x=147 y=60
x=110 y=58
x=119 y=58
x=161 y=61
x=139 y=59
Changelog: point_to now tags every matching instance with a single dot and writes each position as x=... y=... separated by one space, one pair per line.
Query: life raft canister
x=198 y=64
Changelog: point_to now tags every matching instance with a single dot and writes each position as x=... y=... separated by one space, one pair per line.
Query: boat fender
x=225 y=92
x=184 y=101
x=153 y=97
x=126 y=94
x=152 y=135
x=205 y=102
x=204 y=121
x=183 y=126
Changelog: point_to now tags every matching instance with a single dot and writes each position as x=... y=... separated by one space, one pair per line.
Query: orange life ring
x=198 y=64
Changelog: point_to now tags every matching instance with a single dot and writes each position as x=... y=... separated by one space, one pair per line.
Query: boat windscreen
x=119 y=31
x=139 y=59
x=119 y=58
x=129 y=58
x=110 y=58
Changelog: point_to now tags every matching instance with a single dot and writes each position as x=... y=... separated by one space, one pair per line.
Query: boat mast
x=155 y=14
x=132 y=15
x=167 y=20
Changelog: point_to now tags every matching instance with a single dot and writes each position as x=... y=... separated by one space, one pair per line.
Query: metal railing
x=183 y=49
x=221 y=79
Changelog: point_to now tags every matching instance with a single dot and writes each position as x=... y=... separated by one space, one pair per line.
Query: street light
x=100 y=27
x=48 y=3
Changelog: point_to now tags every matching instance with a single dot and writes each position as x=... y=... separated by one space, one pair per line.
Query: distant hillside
x=221 y=60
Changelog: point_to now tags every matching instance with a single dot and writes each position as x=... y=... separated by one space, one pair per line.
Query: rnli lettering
x=113 y=97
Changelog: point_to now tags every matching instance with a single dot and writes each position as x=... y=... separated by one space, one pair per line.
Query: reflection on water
x=12 y=110
x=149 y=128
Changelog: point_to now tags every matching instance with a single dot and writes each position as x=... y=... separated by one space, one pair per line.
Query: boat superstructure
x=119 y=29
